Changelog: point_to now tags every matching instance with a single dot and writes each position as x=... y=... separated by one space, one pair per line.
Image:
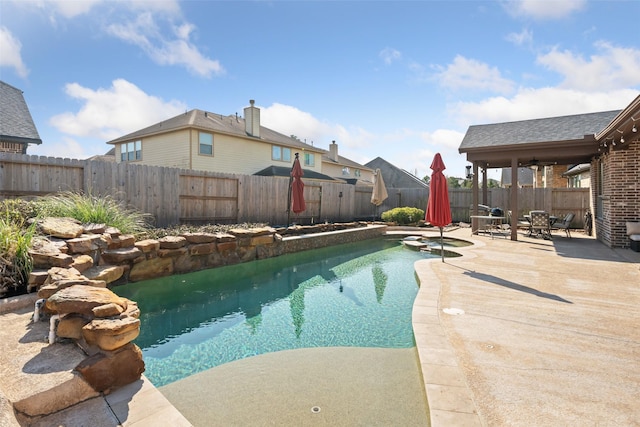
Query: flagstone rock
x=172 y=242
x=46 y=291
x=108 y=273
x=197 y=238
x=122 y=241
x=118 y=256
x=106 y=372
x=65 y=228
x=57 y=273
x=148 y=245
x=107 y=310
x=94 y=228
x=84 y=244
x=111 y=334
x=82 y=262
x=151 y=268
x=70 y=326
x=47 y=260
x=82 y=299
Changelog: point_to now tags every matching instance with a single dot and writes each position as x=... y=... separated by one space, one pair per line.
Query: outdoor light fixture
x=469 y=174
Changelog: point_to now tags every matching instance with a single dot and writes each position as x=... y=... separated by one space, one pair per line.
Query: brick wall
x=621 y=193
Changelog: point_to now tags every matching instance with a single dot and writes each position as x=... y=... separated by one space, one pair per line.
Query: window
x=346 y=171
x=281 y=153
x=206 y=143
x=356 y=173
x=309 y=159
x=131 y=151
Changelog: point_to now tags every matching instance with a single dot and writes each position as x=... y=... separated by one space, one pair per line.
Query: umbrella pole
x=441 y=245
x=289 y=202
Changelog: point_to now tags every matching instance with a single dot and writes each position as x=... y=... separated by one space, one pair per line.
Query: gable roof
x=16 y=123
x=553 y=140
x=395 y=177
x=203 y=120
x=536 y=130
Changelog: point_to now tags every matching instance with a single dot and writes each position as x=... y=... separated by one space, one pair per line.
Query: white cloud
x=71 y=9
x=544 y=9
x=113 y=112
x=145 y=33
x=11 y=52
x=67 y=147
x=466 y=73
x=389 y=55
x=525 y=37
x=537 y=103
x=612 y=68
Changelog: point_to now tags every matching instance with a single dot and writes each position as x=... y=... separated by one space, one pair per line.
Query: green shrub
x=403 y=216
x=88 y=208
x=15 y=261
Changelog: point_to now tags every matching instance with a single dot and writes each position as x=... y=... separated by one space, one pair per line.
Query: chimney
x=252 y=119
x=333 y=151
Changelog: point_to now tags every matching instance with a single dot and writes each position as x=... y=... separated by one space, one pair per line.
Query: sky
x=401 y=80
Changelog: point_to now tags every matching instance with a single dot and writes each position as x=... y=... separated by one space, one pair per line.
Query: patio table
x=552 y=220
x=489 y=222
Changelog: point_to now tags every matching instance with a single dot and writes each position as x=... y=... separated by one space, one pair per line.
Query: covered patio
x=565 y=140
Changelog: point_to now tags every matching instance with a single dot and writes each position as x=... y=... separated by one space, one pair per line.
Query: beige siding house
x=340 y=167
x=201 y=140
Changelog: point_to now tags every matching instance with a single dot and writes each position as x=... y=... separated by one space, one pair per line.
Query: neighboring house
x=342 y=168
x=395 y=177
x=609 y=141
x=17 y=129
x=205 y=141
x=578 y=176
x=525 y=177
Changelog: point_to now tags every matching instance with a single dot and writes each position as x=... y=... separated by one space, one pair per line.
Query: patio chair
x=540 y=224
x=565 y=224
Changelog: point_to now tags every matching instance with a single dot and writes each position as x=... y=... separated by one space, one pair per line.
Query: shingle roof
x=395 y=177
x=16 y=123
x=284 y=171
x=562 y=128
x=234 y=125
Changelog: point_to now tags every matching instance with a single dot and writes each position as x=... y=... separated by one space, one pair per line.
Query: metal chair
x=565 y=224
x=540 y=224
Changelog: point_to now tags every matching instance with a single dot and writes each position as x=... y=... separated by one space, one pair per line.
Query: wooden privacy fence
x=175 y=196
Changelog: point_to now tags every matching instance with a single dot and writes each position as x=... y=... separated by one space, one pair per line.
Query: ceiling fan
x=536 y=163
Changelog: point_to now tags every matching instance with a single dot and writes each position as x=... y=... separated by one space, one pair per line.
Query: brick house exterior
x=17 y=129
x=615 y=178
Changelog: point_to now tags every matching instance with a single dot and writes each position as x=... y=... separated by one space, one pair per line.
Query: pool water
x=358 y=294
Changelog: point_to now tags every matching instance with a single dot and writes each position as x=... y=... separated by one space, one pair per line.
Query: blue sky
x=402 y=80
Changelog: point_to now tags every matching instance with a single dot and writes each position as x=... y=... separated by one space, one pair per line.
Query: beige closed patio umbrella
x=379 y=193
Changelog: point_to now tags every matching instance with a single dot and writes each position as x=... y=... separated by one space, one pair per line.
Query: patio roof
x=553 y=140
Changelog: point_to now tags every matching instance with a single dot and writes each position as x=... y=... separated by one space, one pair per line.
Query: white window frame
x=309 y=159
x=281 y=154
x=131 y=151
x=202 y=144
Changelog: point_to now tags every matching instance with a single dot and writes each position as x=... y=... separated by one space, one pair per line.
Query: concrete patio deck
x=540 y=332
x=546 y=334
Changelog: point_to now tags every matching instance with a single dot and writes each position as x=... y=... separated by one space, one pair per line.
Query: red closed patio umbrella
x=438 y=208
x=296 y=189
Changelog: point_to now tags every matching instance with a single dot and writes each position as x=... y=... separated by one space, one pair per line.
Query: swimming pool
x=358 y=294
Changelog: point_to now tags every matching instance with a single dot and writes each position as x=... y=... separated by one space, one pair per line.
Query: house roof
x=231 y=125
x=16 y=123
x=562 y=140
x=577 y=169
x=285 y=171
x=343 y=161
x=395 y=177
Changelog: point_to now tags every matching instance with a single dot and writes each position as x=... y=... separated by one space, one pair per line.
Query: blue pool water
x=358 y=294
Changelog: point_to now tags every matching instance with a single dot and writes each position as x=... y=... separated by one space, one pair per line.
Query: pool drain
x=315 y=409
